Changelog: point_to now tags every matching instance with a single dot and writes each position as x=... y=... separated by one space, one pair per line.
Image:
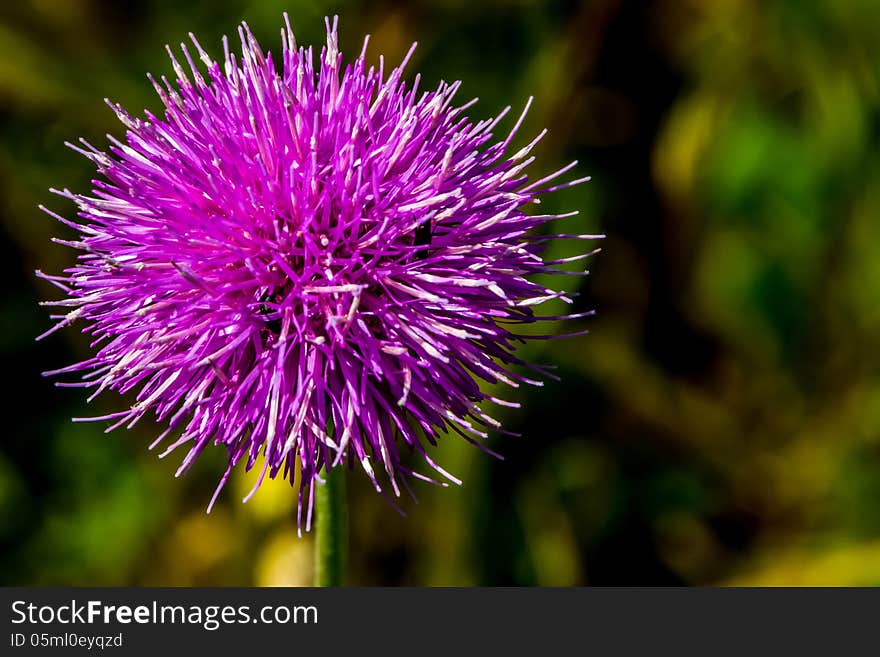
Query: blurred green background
x=720 y=424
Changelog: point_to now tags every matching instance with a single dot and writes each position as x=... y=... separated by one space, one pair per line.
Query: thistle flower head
x=306 y=264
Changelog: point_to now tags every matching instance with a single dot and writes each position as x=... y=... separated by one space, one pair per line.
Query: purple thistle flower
x=311 y=265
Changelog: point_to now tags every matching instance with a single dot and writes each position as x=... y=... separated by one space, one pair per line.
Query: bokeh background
x=719 y=425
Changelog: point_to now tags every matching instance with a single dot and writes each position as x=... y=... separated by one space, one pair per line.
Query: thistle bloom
x=309 y=266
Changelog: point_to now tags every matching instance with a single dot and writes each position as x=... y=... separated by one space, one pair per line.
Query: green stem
x=331 y=539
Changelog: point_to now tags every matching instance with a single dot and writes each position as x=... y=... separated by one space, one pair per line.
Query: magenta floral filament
x=312 y=265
